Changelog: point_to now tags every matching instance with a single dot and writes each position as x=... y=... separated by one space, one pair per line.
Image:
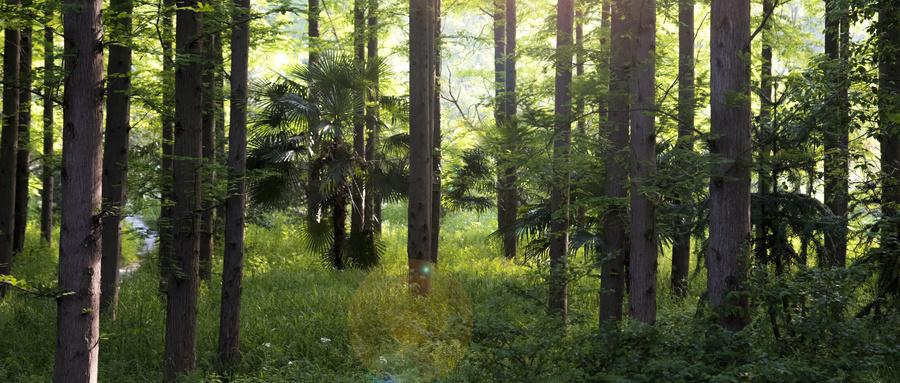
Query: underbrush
x=296 y=324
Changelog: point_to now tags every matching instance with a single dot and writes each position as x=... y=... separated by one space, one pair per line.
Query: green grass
x=295 y=324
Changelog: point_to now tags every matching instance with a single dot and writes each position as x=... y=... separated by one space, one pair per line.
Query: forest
x=398 y=191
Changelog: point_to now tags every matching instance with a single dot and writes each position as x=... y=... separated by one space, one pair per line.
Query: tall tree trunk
x=208 y=210
x=681 y=246
x=644 y=241
x=220 y=155
x=436 y=210
x=500 y=118
x=372 y=201
x=167 y=191
x=729 y=230
x=233 y=262
x=47 y=161
x=9 y=146
x=889 y=102
x=581 y=122
x=358 y=185
x=559 y=194
x=78 y=314
x=181 y=310
x=614 y=243
x=313 y=205
x=313 y=9
x=115 y=150
x=509 y=202
x=766 y=142
x=836 y=134
x=421 y=129
x=23 y=162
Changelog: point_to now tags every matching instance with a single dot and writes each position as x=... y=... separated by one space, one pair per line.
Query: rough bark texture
x=48 y=164
x=644 y=242
x=729 y=230
x=372 y=221
x=23 y=162
x=559 y=194
x=181 y=310
x=613 y=247
x=681 y=246
x=115 y=151
x=509 y=202
x=208 y=212
x=436 y=209
x=358 y=185
x=233 y=261
x=313 y=10
x=78 y=314
x=8 y=146
x=837 y=132
x=766 y=141
x=421 y=169
x=889 y=102
x=167 y=212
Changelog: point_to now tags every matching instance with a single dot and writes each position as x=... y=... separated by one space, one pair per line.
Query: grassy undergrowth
x=295 y=324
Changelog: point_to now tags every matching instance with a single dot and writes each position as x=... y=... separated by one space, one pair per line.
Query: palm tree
x=299 y=146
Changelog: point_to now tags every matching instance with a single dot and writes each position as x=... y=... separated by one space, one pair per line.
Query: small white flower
x=325 y=340
x=290 y=362
x=382 y=359
x=267 y=344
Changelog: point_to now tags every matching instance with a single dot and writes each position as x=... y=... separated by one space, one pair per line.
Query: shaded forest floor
x=296 y=315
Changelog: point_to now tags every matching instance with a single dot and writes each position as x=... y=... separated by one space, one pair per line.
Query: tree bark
x=115 y=151
x=181 y=310
x=836 y=132
x=767 y=142
x=372 y=201
x=613 y=246
x=167 y=192
x=500 y=120
x=47 y=161
x=313 y=10
x=729 y=230
x=889 y=102
x=23 y=162
x=358 y=186
x=78 y=314
x=509 y=173
x=233 y=262
x=208 y=212
x=421 y=129
x=436 y=208
x=9 y=146
x=559 y=194
x=681 y=246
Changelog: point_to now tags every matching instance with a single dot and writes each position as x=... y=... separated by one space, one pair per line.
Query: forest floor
x=302 y=322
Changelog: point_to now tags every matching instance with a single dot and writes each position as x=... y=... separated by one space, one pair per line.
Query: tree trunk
x=47 y=162
x=181 y=310
x=372 y=202
x=436 y=210
x=8 y=147
x=115 y=151
x=889 y=102
x=613 y=246
x=559 y=194
x=313 y=10
x=581 y=122
x=167 y=192
x=78 y=314
x=644 y=240
x=358 y=186
x=766 y=139
x=729 y=230
x=233 y=258
x=421 y=129
x=208 y=212
x=509 y=178
x=836 y=132
x=23 y=162
x=339 y=224
x=681 y=246
x=500 y=119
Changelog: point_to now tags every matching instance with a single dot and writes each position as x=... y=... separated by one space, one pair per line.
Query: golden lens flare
x=409 y=337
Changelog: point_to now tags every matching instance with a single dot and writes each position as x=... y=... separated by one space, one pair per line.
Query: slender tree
x=436 y=210
x=421 y=128
x=233 y=268
x=837 y=131
x=559 y=193
x=358 y=186
x=23 y=162
x=681 y=246
x=47 y=161
x=889 y=102
x=729 y=226
x=766 y=138
x=372 y=206
x=8 y=146
x=115 y=150
x=509 y=201
x=167 y=192
x=312 y=22
x=181 y=310
x=501 y=120
x=613 y=246
x=208 y=211
x=78 y=312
